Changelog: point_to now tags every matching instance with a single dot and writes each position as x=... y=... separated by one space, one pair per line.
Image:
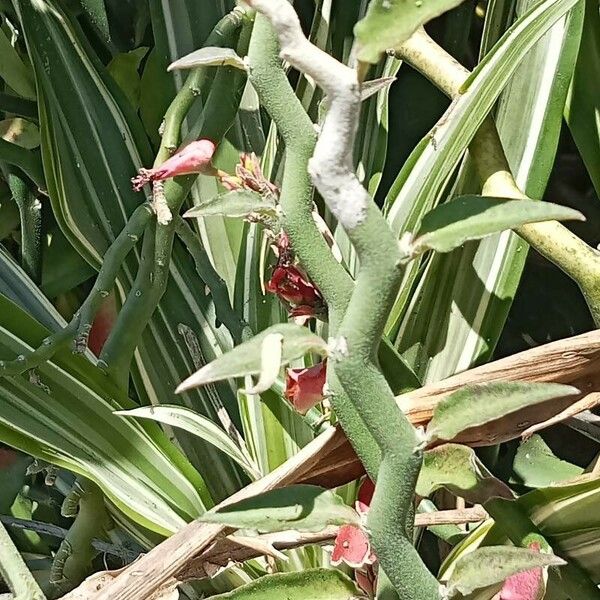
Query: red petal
x=352 y=547
x=365 y=495
x=304 y=387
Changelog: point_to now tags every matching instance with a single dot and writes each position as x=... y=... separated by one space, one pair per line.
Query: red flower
x=294 y=288
x=304 y=387
x=352 y=544
x=527 y=585
x=196 y=157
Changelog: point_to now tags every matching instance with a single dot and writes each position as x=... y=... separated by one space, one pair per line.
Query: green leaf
x=196 y=424
x=96 y=12
x=210 y=56
x=471 y=217
x=426 y=171
x=494 y=564
x=13 y=70
x=64 y=415
x=246 y=359
x=310 y=584
x=536 y=466
x=123 y=68
x=298 y=507
x=240 y=204
x=475 y=405
x=457 y=468
x=388 y=23
x=482 y=277
x=581 y=110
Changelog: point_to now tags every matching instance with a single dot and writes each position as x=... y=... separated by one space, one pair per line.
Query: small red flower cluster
x=292 y=285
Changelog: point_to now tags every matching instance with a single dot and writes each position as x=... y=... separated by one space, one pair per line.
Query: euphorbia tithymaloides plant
x=308 y=278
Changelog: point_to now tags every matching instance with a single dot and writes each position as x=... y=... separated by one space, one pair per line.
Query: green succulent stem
x=194 y=85
x=553 y=240
x=276 y=95
x=30 y=213
x=79 y=327
x=73 y=560
x=521 y=531
x=377 y=428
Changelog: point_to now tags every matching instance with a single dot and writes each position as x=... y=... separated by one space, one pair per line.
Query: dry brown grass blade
x=330 y=461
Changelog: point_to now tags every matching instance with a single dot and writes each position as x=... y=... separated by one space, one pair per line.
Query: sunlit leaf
x=196 y=424
x=210 y=56
x=243 y=203
x=246 y=359
x=298 y=507
x=536 y=466
x=475 y=405
x=388 y=23
x=316 y=584
x=458 y=469
x=450 y=225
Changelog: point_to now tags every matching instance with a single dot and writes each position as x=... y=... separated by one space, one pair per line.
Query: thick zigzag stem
x=355 y=345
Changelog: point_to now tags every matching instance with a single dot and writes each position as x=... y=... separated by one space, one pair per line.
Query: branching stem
x=551 y=239
x=356 y=342
x=79 y=327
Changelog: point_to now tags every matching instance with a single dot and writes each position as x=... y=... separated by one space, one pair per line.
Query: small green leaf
x=196 y=424
x=123 y=68
x=311 y=584
x=494 y=564
x=13 y=70
x=389 y=23
x=473 y=217
x=536 y=466
x=457 y=468
x=298 y=507
x=211 y=56
x=475 y=405
x=240 y=204
x=246 y=359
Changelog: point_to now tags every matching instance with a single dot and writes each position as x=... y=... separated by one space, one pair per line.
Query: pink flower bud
x=196 y=157
x=304 y=387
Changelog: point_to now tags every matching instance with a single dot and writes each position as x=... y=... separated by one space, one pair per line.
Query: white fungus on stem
x=331 y=165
